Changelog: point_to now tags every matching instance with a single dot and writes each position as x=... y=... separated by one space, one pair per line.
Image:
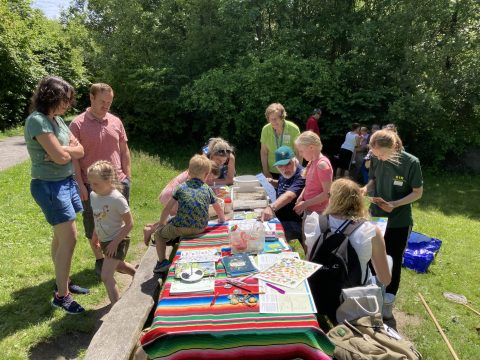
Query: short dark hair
x=50 y=93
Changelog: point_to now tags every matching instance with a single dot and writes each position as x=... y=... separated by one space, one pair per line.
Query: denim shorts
x=59 y=200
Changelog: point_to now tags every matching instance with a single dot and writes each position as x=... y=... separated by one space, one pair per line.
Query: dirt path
x=13 y=150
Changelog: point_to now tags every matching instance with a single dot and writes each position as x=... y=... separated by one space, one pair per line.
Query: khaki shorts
x=169 y=232
x=121 y=249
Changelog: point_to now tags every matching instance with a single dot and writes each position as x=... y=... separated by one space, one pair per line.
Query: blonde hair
x=199 y=166
x=100 y=87
x=387 y=139
x=308 y=138
x=105 y=171
x=276 y=108
x=346 y=200
x=218 y=144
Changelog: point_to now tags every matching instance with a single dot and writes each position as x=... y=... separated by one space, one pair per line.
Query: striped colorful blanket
x=187 y=327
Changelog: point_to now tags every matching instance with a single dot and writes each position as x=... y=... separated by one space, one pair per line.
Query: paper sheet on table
x=381 y=222
x=203 y=255
x=295 y=301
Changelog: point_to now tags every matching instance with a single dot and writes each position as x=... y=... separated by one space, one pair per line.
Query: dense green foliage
x=202 y=68
x=31 y=46
x=194 y=69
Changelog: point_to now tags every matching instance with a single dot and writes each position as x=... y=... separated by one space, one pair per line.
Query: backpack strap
x=349 y=229
x=323 y=222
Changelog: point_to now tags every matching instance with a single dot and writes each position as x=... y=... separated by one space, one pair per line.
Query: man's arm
x=125 y=159
x=284 y=199
x=78 y=176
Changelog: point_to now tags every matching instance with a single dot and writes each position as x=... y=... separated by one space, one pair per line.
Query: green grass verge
x=18 y=130
x=449 y=210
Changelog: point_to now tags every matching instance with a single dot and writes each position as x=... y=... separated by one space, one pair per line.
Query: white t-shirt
x=350 y=141
x=107 y=214
x=360 y=239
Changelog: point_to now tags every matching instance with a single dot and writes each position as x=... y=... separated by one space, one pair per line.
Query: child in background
x=193 y=198
x=167 y=191
x=113 y=222
x=318 y=174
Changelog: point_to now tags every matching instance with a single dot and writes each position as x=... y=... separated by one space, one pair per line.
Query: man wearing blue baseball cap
x=288 y=187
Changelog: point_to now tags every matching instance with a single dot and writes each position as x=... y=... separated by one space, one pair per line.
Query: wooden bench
x=119 y=333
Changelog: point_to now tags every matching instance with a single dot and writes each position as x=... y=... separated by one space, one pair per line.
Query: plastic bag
x=311 y=229
x=420 y=252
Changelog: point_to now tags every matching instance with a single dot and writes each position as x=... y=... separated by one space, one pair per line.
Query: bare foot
x=147 y=233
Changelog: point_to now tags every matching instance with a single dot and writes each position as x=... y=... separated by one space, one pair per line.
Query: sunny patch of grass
x=18 y=130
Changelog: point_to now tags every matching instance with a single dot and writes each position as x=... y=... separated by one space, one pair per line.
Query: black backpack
x=341 y=267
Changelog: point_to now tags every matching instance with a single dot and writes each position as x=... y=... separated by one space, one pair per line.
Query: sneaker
x=162 y=266
x=75 y=289
x=68 y=304
x=98 y=266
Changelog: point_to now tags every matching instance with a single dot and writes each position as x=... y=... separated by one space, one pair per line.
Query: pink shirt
x=100 y=140
x=166 y=193
x=313 y=182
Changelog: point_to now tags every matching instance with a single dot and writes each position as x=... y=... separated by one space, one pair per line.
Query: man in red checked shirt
x=312 y=122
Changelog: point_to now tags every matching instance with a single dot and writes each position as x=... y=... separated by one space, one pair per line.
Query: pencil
x=214 y=299
x=238 y=286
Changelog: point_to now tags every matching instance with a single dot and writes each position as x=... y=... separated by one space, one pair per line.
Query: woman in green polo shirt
x=276 y=133
x=395 y=182
x=51 y=147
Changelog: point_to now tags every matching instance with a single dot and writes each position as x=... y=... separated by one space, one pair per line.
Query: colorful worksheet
x=289 y=272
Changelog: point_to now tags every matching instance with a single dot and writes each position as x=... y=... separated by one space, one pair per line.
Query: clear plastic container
x=247 y=238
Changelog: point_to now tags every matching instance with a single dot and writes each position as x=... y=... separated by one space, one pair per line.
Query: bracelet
x=273 y=209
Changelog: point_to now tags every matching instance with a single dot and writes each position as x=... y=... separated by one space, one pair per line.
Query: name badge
x=398 y=183
x=286 y=139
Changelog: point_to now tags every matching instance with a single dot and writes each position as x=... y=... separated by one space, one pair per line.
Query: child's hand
x=300 y=207
x=95 y=241
x=111 y=249
x=221 y=220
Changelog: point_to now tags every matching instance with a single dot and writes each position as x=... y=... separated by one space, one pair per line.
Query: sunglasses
x=223 y=152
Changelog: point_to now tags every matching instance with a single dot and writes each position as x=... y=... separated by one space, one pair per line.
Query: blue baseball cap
x=283 y=155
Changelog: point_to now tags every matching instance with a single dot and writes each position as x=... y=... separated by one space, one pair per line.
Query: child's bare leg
x=126 y=268
x=108 y=269
x=147 y=232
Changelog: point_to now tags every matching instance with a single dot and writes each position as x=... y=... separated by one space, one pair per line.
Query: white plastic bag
x=311 y=229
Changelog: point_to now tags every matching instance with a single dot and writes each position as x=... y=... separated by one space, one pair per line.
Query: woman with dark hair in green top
x=395 y=182
x=51 y=147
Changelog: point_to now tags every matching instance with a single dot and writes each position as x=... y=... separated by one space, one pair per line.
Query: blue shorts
x=59 y=200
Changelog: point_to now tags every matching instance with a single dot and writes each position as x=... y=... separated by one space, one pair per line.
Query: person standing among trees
x=395 y=182
x=347 y=150
x=312 y=121
x=276 y=133
x=52 y=147
x=103 y=138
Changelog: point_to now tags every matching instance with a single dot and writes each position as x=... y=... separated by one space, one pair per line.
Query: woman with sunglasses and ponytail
x=221 y=152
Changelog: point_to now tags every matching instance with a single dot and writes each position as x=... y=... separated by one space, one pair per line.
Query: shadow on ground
x=68 y=346
x=32 y=305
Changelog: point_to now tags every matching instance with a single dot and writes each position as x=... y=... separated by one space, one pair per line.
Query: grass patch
x=18 y=130
x=449 y=210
